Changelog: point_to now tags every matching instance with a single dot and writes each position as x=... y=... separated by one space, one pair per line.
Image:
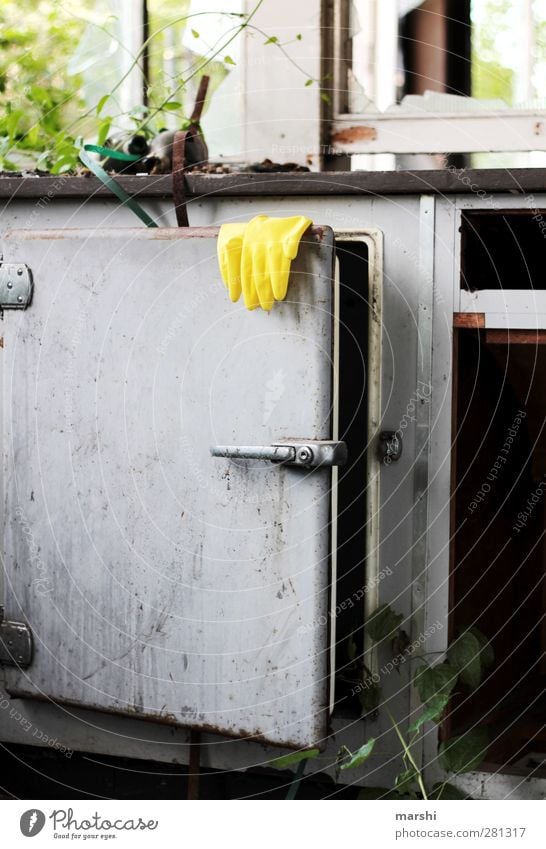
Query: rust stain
x=1 y=341
x=170 y=719
x=355 y=134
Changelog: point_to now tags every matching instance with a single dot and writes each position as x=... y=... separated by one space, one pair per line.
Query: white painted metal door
x=159 y=581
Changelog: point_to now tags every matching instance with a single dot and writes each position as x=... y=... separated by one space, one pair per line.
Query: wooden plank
x=475 y=320
x=404 y=131
x=376 y=183
x=515 y=337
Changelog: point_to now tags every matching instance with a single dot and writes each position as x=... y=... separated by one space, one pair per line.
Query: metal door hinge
x=15 y=643
x=15 y=286
x=390 y=446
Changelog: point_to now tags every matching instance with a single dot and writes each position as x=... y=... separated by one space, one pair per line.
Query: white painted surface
x=160 y=582
x=415 y=132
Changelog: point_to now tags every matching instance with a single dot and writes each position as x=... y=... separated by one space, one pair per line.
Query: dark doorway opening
x=353 y=429
x=498 y=561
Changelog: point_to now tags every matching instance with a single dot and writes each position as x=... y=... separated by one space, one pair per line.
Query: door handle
x=308 y=454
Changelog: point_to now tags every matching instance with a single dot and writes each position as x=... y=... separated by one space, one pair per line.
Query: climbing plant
x=464 y=664
x=435 y=681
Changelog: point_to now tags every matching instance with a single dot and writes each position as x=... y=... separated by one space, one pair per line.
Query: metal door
x=159 y=581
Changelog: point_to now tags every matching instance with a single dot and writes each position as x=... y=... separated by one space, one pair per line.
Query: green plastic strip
x=111 y=153
x=114 y=186
x=296 y=781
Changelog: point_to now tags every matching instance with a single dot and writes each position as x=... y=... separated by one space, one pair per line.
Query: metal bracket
x=15 y=286
x=15 y=643
x=308 y=454
x=390 y=446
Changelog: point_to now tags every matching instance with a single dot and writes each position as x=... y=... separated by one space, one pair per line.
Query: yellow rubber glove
x=230 y=247
x=269 y=246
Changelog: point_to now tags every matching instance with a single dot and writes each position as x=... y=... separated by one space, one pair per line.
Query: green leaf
x=369 y=697
x=383 y=623
x=299 y=37
x=12 y=123
x=464 y=654
x=309 y=82
x=229 y=61
x=433 y=681
x=357 y=758
x=325 y=97
x=487 y=654
x=272 y=40
x=465 y=752
x=294 y=758
x=404 y=781
x=447 y=791
x=434 y=708
x=195 y=33
x=101 y=103
x=104 y=129
x=172 y=105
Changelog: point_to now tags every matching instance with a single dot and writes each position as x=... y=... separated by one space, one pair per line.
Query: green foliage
x=383 y=623
x=464 y=752
x=487 y=655
x=286 y=761
x=405 y=781
x=38 y=97
x=369 y=696
x=434 y=681
x=43 y=116
x=352 y=760
x=464 y=654
x=433 y=711
x=466 y=659
x=491 y=77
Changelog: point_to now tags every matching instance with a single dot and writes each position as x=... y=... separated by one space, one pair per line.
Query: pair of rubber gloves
x=255 y=258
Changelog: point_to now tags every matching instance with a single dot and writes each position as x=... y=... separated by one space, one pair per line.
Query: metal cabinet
x=159 y=581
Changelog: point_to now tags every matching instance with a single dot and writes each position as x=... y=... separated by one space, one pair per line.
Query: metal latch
x=390 y=446
x=311 y=453
x=15 y=286
x=15 y=643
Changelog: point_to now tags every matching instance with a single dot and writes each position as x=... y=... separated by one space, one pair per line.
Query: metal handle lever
x=311 y=453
